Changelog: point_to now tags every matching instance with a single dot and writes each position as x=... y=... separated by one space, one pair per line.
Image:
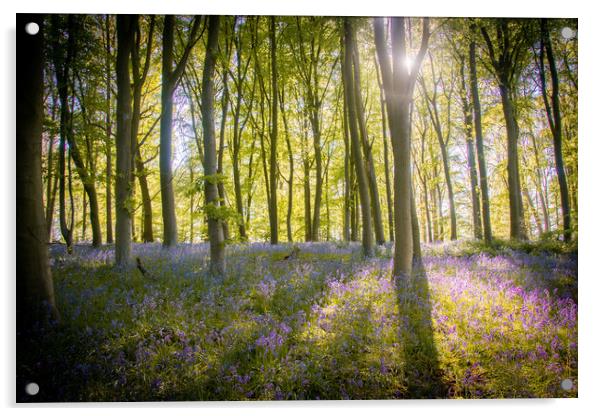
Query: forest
x=295 y=207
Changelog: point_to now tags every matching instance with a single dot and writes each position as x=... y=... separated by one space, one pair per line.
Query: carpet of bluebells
x=326 y=324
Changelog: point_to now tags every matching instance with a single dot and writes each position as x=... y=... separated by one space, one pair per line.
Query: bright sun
x=408 y=63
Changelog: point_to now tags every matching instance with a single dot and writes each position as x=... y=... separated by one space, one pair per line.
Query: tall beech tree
x=555 y=122
x=476 y=112
x=399 y=84
x=64 y=57
x=126 y=28
x=108 y=37
x=139 y=75
x=433 y=110
x=507 y=60
x=367 y=148
x=273 y=200
x=353 y=122
x=169 y=81
x=216 y=235
x=35 y=290
x=470 y=152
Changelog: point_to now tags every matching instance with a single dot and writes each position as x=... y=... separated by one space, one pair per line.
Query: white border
x=590 y=152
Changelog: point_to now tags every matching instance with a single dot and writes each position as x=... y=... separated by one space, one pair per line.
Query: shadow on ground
x=422 y=373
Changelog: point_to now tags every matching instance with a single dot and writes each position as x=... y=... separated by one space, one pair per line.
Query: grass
x=500 y=322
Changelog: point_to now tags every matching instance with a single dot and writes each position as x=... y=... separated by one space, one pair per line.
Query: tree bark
x=108 y=132
x=386 y=156
x=220 y=157
x=62 y=66
x=139 y=76
x=215 y=230
x=363 y=131
x=476 y=107
x=169 y=80
x=273 y=137
x=35 y=291
x=289 y=210
x=505 y=69
x=348 y=82
x=51 y=185
x=555 y=122
x=399 y=87
x=123 y=185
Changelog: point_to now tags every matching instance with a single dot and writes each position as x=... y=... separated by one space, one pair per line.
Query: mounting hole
x=32 y=28
x=567 y=384
x=32 y=389
x=567 y=33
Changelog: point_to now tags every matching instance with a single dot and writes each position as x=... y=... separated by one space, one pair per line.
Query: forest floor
x=477 y=323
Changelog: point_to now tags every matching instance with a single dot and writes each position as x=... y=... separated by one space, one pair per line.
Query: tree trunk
x=62 y=69
x=476 y=105
x=399 y=87
x=347 y=205
x=307 y=197
x=51 y=185
x=108 y=132
x=216 y=237
x=170 y=77
x=517 y=226
x=555 y=122
x=35 y=291
x=474 y=186
x=273 y=138
x=541 y=190
x=348 y=82
x=386 y=157
x=123 y=185
x=170 y=229
x=220 y=157
x=147 y=208
x=363 y=131
x=289 y=210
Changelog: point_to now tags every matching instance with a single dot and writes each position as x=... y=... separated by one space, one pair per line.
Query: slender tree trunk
x=170 y=77
x=427 y=212
x=347 y=205
x=386 y=157
x=289 y=210
x=220 y=157
x=51 y=184
x=108 y=132
x=84 y=212
x=348 y=82
x=35 y=290
x=416 y=249
x=191 y=232
x=147 y=208
x=555 y=122
x=216 y=237
x=476 y=106
x=273 y=138
x=62 y=69
x=307 y=198
x=541 y=191
x=434 y=113
x=436 y=234
x=315 y=225
x=236 y=141
x=125 y=41
x=517 y=226
x=170 y=230
x=370 y=170
x=472 y=166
